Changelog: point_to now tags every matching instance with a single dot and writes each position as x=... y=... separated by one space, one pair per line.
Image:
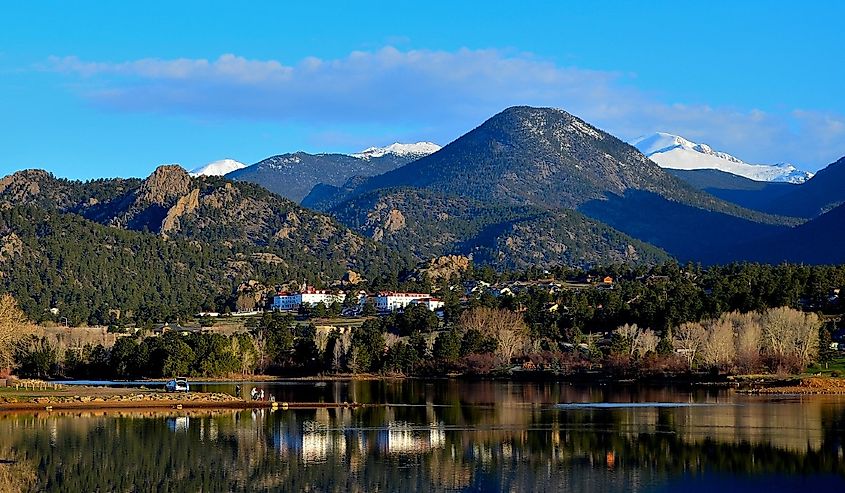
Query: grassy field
x=837 y=366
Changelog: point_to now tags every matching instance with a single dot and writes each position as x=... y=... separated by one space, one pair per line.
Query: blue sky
x=91 y=89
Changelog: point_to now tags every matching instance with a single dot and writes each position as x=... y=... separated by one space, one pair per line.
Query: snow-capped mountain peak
x=416 y=149
x=675 y=152
x=218 y=168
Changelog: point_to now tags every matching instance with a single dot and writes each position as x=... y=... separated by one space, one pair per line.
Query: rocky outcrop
x=351 y=278
x=445 y=267
x=166 y=184
x=251 y=295
x=185 y=205
x=10 y=246
x=383 y=221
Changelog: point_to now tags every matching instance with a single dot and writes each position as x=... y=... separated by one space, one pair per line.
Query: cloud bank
x=442 y=94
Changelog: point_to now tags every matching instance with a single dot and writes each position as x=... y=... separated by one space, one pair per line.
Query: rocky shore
x=805 y=386
x=105 y=398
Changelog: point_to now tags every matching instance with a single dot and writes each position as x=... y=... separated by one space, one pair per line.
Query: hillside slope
x=430 y=224
x=823 y=192
x=211 y=210
x=100 y=275
x=751 y=194
x=818 y=241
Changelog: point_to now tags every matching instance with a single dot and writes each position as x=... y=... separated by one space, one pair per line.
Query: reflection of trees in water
x=498 y=446
x=16 y=473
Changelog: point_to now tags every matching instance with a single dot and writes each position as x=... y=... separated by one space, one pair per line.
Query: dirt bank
x=808 y=386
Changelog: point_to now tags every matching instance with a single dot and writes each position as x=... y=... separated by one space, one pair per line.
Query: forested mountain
x=544 y=157
x=529 y=187
x=819 y=194
x=751 y=194
x=430 y=224
x=41 y=188
x=294 y=175
x=94 y=273
x=254 y=233
x=549 y=159
x=818 y=241
x=209 y=209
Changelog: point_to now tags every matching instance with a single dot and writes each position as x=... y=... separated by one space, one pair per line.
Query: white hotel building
x=311 y=296
x=390 y=301
x=384 y=302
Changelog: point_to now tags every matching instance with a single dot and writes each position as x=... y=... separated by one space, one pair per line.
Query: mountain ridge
x=294 y=175
x=675 y=152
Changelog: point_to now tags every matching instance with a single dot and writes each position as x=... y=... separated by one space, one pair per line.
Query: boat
x=177 y=385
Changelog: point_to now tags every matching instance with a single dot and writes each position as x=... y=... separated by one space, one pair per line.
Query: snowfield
x=675 y=152
x=417 y=149
x=218 y=168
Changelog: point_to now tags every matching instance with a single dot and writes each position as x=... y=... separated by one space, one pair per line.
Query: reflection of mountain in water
x=482 y=436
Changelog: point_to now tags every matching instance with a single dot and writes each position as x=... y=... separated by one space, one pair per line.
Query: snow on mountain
x=675 y=152
x=417 y=149
x=218 y=168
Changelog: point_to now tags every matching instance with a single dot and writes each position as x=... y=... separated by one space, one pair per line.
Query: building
x=286 y=301
x=310 y=296
x=433 y=304
x=390 y=301
x=475 y=287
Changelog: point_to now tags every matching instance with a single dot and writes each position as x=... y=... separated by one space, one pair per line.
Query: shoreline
x=800 y=386
x=91 y=398
x=110 y=399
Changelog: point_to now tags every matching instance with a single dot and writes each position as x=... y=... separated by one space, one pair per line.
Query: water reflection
x=456 y=436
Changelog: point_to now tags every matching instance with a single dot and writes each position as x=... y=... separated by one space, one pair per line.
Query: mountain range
x=550 y=161
x=293 y=176
x=528 y=187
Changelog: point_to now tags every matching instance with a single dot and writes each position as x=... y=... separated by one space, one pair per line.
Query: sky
x=101 y=89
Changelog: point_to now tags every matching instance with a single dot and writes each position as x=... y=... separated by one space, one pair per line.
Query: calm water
x=442 y=436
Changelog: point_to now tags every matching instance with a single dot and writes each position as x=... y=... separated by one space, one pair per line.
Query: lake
x=441 y=435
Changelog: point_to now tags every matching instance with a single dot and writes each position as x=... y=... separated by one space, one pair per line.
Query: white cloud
x=446 y=93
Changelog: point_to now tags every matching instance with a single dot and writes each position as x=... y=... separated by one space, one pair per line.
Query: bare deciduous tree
x=507 y=327
x=689 y=338
x=748 y=331
x=13 y=326
x=789 y=333
x=638 y=342
x=390 y=340
x=648 y=342
x=627 y=336
x=719 y=348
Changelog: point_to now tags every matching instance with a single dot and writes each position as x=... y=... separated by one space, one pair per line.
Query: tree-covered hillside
x=85 y=270
x=429 y=224
x=212 y=210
